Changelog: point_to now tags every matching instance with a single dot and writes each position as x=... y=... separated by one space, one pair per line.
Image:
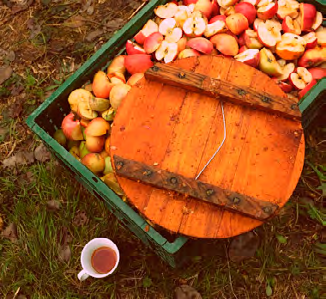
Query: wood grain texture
x=224 y=90
x=179 y=131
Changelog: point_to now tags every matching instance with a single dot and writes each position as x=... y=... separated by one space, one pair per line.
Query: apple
x=99 y=104
x=59 y=137
x=217 y=18
x=226 y=3
x=303 y=92
x=291 y=46
x=170 y=31
x=318 y=21
x=252 y=2
x=133 y=48
x=290 y=25
x=248 y=10
x=311 y=40
x=94 y=162
x=228 y=11
x=188 y=53
x=257 y=22
x=266 y=9
x=194 y=26
x=312 y=57
x=308 y=15
x=286 y=71
x=152 y=42
x=117 y=65
x=242 y=49
x=149 y=28
x=251 y=39
x=287 y=8
x=286 y=87
x=205 y=7
x=117 y=78
x=269 y=33
x=110 y=180
x=107 y=144
x=117 y=94
x=189 y=2
x=249 y=57
x=182 y=42
x=97 y=127
x=108 y=165
x=268 y=63
x=321 y=36
x=237 y=23
x=101 y=85
x=215 y=8
x=201 y=44
x=214 y=28
x=95 y=144
x=183 y=13
x=108 y=115
x=83 y=150
x=85 y=112
x=166 y=11
x=71 y=128
x=138 y=63
x=167 y=52
x=317 y=72
x=74 y=151
x=300 y=78
x=225 y=43
x=134 y=79
x=281 y=62
x=78 y=95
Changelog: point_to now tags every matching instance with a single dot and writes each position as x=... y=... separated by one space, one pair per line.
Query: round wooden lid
x=179 y=130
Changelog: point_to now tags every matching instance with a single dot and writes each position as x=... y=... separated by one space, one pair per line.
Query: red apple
x=300 y=78
x=291 y=46
x=97 y=127
x=94 y=144
x=311 y=40
x=135 y=78
x=152 y=42
x=188 y=53
x=205 y=7
x=117 y=65
x=170 y=30
x=308 y=15
x=225 y=43
x=166 y=11
x=217 y=18
x=321 y=36
x=318 y=21
x=214 y=28
x=189 y=2
x=194 y=26
x=117 y=94
x=242 y=49
x=269 y=33
x=286 y=71
x=266 y=9
x=101 y=85
x=138 y=63
x=287 y=8
x=312 y=57
x=149 y=28
x=200 y=44
x=303 y=92
x=286 y=87
x=317 y=72
x=71 y=128
x=237 y=23
x=291 y=26
x=182 y=42
x=226 y=3
x=167 y=52
x=251 y=39
x=249 y=57
x=133 y=48
x=248 y=10
x=94 y=162
x=215 y=8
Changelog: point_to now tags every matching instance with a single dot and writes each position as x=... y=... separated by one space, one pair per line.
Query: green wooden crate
x=47 y=118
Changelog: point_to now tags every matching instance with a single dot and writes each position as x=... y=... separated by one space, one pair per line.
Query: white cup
x=86 y=257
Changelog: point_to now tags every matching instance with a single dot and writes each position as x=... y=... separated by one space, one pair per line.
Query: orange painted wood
x=179 y=130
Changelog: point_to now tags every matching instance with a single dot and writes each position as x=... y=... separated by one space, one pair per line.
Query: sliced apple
x=308 y=15
x=303 y=92
x=249 y=57
x=269 y=33
x=194 y=26
x=138 y=63
x=286 y=87
x=291 y=46
x=251 y=39
x=286 y=71
x=321 y=36
x=214 y=28
x=152 y=42
x=228 y=11
x=205 y=7
x=215 y=8
x=266 y=9
x=225 y=43
x=167 y=52
x=170 y=30
x=311 y=40
x=248 y=10
x=149 y=28
x=166 y=11
x=182 y=42
x=226 y=3
x=268 y=63
x=133 y=48
x=183 y=13
x=117 y=65
x=300 y=78
x=287 y=8
x=134 y=79
x=237 y=23
x=317 y=72
x=200 y=44
x=101 y=85
x=188 y=53
x=312 y=57
x=318 y=21
x=290 y=25
x=252 y=2
x=217 y=18
x=242 y=49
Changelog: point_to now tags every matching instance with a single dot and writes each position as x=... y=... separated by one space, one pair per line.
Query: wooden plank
x=160 y=178
x=224 y=90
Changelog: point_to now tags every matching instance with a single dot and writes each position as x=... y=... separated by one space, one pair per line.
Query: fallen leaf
x=186 y=292
x=64 y=253
x=27 y=177
x=114 y=24
x=3 y=133
x=33 y=27
x=93 y=35
x=10 y=232
x=74 y=22
x=53 y=205
x=21 y=6
x=5 y=73
x=21 y=158
x=41 y=153
x=80 y=219
x=243 y=247
x=16 y=108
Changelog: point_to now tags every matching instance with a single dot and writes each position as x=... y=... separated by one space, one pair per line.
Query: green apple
x=268 y=63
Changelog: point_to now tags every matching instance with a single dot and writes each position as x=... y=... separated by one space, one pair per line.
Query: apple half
x=194 y=26
x=291 y=46
x=300 y=78
x=133 y=48
x=169 y=29
x=166 y=11
x=290 y=25
x=287 y=8
x=225 y=43
x=266 y=9
x=311 y=40
x=269 y=33
x=249 y=57
x=167 y=52
x=321 y=36
x=307 y=16
x=149 y=28
x=268 y=63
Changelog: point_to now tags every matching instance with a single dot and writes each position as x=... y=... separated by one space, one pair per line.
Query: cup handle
x=82 y=275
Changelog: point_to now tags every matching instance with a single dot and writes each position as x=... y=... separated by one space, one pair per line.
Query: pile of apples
x=283 y=39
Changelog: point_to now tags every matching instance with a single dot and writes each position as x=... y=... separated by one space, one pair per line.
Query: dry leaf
x=243 y=247
x=10 y=232
x=74 y=22
x=93 y=35
x=186 y=292
x=21 y=5
x=80 y=219
x=21 y=158
x=33 y=27
x=53 y=205
x=41 y=153
x=5 y=73
x=64 y=253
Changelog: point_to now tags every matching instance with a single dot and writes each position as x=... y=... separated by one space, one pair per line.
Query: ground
x=46 y=217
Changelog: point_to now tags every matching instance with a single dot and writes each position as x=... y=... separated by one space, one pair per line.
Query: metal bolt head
x=147 y=172
x=209 y=192
x=267 y=210
x=173 y=180
x=236 y=200
x=155 y=68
